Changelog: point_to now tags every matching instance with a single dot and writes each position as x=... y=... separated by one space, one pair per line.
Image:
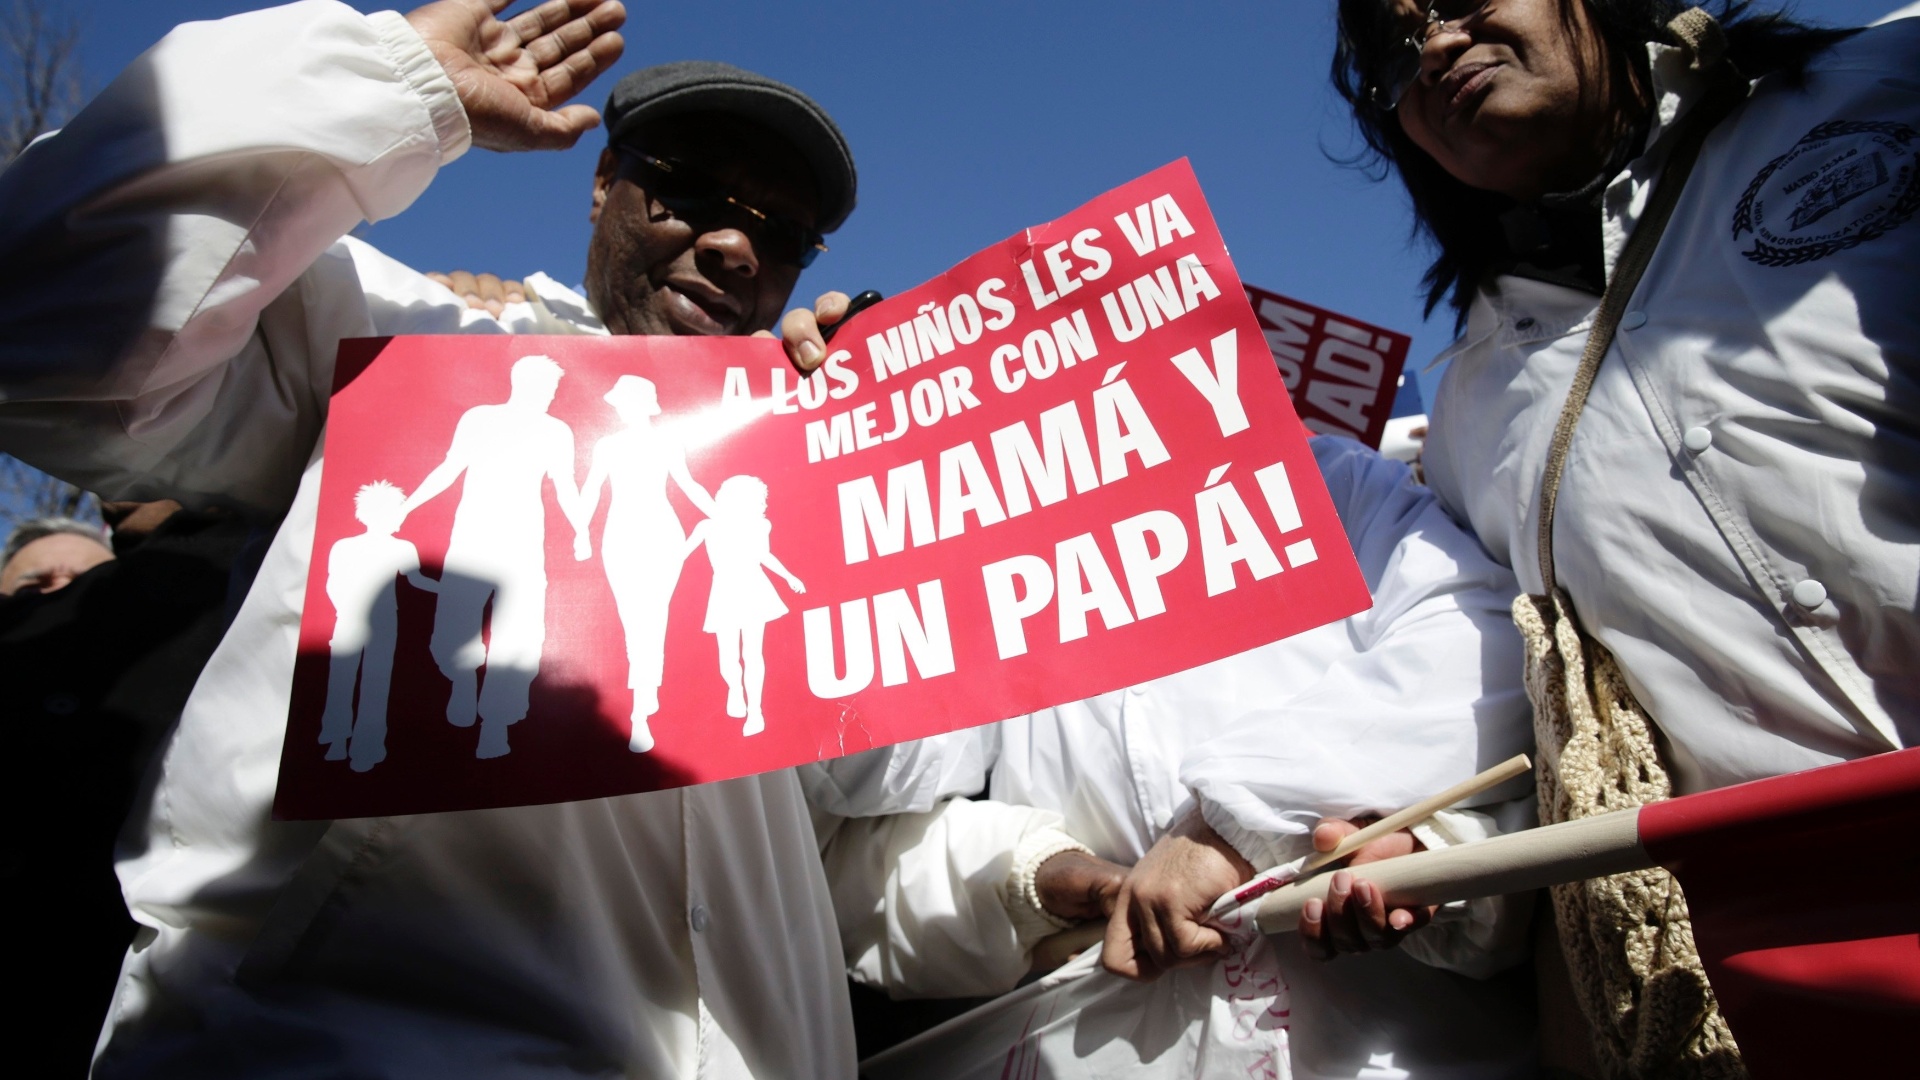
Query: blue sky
x=970 y=122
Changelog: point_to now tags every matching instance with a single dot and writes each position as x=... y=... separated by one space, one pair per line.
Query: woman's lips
x=1465 y=84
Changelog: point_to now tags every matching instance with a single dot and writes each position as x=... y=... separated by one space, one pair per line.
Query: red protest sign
x=559 y=568
x=1342 y=373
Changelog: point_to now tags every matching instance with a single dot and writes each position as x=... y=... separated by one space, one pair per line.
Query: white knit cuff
x=416 y=64
x=1031 y=920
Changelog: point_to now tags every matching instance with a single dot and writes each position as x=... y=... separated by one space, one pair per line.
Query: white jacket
x=176 y=340
x=1740 y=517
x=1362 y=716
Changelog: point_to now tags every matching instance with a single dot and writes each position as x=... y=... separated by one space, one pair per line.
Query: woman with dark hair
x=1682 y=406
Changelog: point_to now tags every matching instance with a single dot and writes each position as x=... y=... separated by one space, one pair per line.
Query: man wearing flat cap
x=190 y=279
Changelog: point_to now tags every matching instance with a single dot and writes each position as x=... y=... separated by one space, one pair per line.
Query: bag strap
x=1701 y=36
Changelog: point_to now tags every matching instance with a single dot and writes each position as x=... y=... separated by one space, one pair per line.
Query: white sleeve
x=905 y=778
x=925 y=903
x=143 y=241
x=1430 y=694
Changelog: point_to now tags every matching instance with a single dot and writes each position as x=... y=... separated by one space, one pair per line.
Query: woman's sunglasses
x=1401 y=68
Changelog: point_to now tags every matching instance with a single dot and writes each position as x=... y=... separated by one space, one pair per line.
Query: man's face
x=649 y=272
x=1515 y=99
x=50 y=563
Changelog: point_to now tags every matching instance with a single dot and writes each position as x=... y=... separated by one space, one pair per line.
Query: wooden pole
x=1517 y=862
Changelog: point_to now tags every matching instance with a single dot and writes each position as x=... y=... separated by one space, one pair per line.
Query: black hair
x=1462 y=222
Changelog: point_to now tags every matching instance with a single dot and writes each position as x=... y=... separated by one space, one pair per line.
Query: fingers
x=1148 y=945
x=493 y=287
x=1391 y=846
x=494 y=295
x=1328 y=833
x=1405 y=921
x=1188 y=942
x=1384 y=927
x=578 y=52
x=563 y=81
x=1313 y=929
x=1341 y=933
x=487 y=292
x=800 y=331
x=1076 y=885
x=1156 y=937
x=574 y=36
x=800 y=335
x=560 y=129
x=461 y=284
x=1118 y=952
x=831 y=307
x=1355 y=918
x=543 y=19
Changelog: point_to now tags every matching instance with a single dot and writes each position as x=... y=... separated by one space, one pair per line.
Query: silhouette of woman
x=641 y=547
x=742 y=601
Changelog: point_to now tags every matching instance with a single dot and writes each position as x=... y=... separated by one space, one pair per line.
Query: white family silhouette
x=490 y=610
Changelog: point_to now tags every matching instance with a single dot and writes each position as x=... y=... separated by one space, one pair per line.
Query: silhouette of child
x=362 y=573
x=742 y=601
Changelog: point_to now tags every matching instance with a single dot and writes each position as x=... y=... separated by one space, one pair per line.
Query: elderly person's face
x=50 y=563
x=1513 y=96
x=649 y=271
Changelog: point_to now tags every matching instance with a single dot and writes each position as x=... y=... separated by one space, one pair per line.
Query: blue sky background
x=970 y=122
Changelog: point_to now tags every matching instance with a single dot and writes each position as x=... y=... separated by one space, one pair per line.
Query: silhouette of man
x=497 y=552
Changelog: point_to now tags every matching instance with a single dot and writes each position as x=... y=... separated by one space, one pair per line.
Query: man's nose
x=734 y=247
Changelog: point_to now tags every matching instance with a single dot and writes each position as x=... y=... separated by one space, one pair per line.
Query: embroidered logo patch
x=1844 y=183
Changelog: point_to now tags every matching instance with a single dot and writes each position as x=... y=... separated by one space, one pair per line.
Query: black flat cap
x=709 y=86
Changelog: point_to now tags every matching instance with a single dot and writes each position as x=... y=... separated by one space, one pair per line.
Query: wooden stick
x=1420 y=811
x=1516 y=862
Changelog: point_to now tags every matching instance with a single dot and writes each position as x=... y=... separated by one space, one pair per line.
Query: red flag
x=1805 y=896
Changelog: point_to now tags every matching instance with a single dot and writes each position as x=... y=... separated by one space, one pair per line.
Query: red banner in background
x=1341 y=373
x=559 y=568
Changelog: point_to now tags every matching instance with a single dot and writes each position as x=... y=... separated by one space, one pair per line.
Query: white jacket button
x=1809 y=594
x=1633 y=320
x=1697 y=439
x=699 y=919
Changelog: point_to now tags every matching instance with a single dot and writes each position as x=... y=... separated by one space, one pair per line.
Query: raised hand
x=514 y=77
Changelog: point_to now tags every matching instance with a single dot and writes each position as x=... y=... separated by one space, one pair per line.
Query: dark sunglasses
x=693 y=195
x=1401 y=68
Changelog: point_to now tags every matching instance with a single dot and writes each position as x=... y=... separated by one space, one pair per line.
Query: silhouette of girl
x=642 y=546
x=743 y=601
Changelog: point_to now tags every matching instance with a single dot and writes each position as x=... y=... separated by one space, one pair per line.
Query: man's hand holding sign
x=1063 y=467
